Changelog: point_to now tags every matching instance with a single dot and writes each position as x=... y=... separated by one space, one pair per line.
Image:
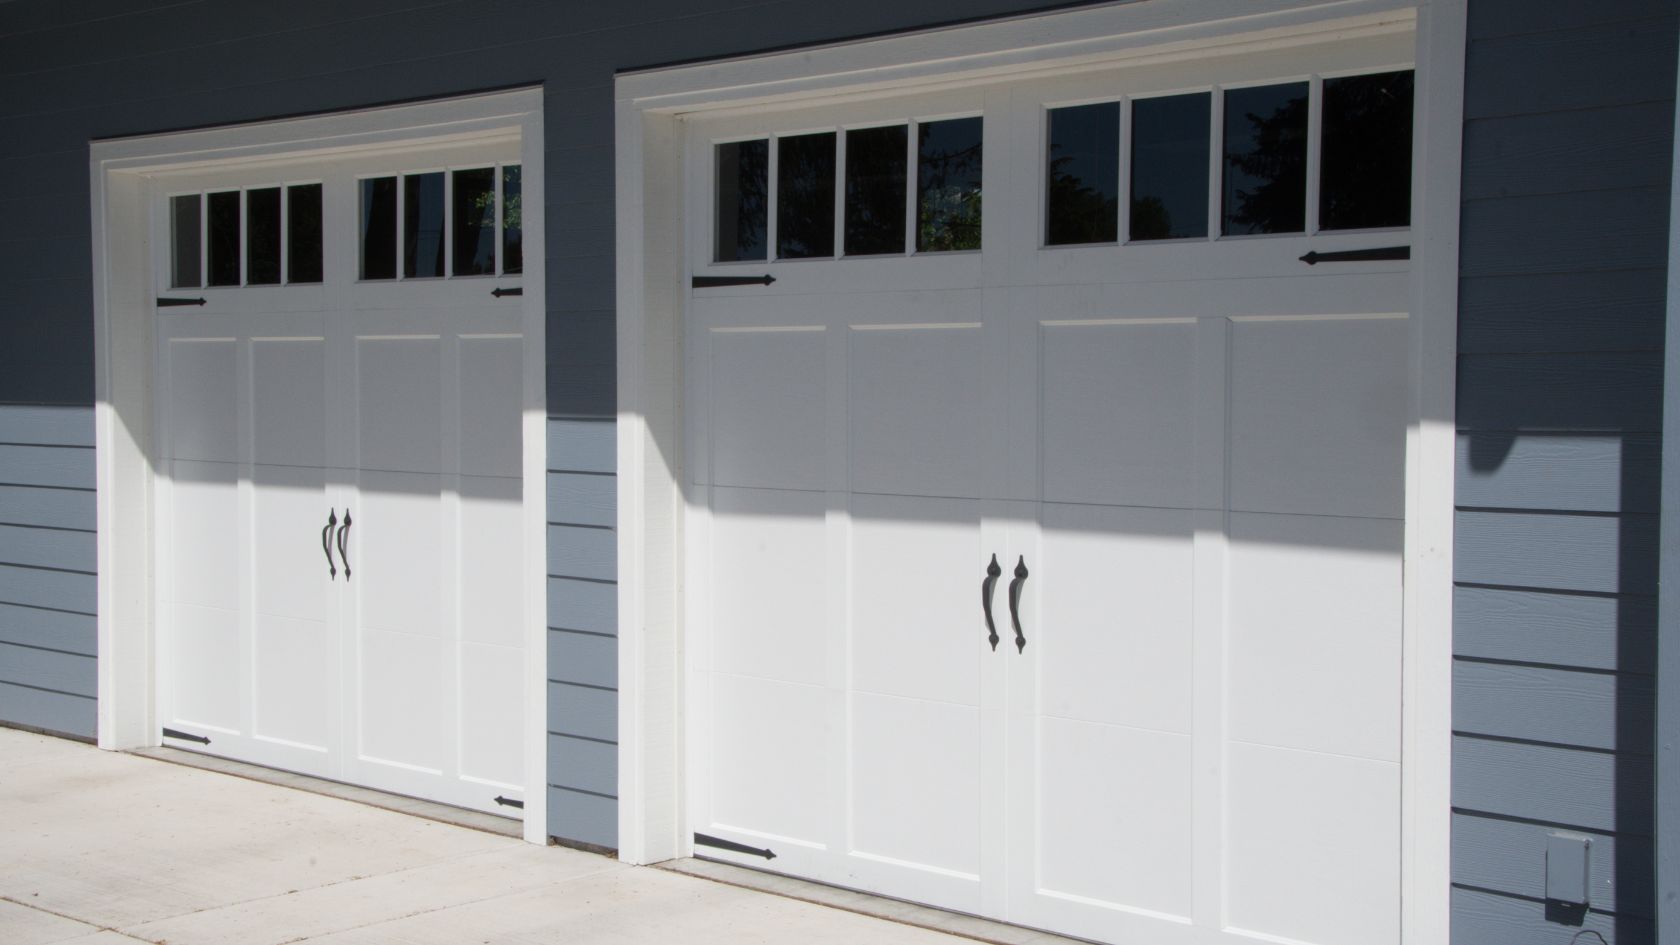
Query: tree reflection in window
x=948 y=196
x=1366 y=175
x=1084 y=180
x=805 y=196
x=743 y=200
x=1265 y=186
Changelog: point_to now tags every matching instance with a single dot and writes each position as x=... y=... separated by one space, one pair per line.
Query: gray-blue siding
x=75 y=70
x=47 y=569
x=1568 y=129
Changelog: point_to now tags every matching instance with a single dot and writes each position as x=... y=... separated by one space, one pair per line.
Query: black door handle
x=326 y=543
x=343 y=544
x=1014 y=600
x=993 y=572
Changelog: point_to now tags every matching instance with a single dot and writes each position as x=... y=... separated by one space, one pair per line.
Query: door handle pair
x=987 y=586
x=343 y=542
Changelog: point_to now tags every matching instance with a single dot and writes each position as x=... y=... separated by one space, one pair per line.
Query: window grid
x=1312 y=222
x=773 y=202
x=242 y=228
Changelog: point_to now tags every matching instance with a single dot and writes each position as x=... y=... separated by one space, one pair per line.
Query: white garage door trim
x=652 y=275
x=124 y=287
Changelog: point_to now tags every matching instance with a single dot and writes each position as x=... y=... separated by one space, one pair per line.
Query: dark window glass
x=303 y=233
x=184 y=243
x=877 y=179
x=948 y=164
x=1265 y=186
x=1170 y=142
x=379 y=228
x=805 y=196
x=423 y=225
x=475 y=222
x=1082 y=203
x=224 y=238
x=743 y=214
x=1366 y=175
x=262 y=236
x=513 y=227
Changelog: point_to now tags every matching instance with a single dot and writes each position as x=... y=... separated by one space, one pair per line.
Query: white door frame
x=126 y=453
x=652 y=288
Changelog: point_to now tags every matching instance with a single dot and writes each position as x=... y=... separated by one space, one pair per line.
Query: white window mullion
x=1216 y=165
x=772 y=198
x=285 y=235
x=244 y=215
x=1315 y=141
x=401 y=272
x=839 y=192
x=448 y=267
x=912 y=185
x=1123 y=167
x=203 y=239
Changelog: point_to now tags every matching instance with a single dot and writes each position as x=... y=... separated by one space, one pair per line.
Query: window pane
x=877 y=173
x=423 y=225
x=1082 y=204
x=1366 y=178
x=1265 y=187
x=513 y=227
x=948 y=163
x=262 y=236
x=224 y=238
x=743 y=214
x=184 y=241
x=475 y=222
x=303 y=233
x=805 y=196
x=379 y=228
x=1170 y=166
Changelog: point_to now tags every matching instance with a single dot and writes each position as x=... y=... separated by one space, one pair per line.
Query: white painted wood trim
x=1668 y=652
x=1427 y=628
x=123 y=290
x=651 y=736
x=651 y=290
x=1019 y=47
x=534 y=461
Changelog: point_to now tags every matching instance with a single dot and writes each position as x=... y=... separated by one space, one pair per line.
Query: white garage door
x=1045 y=562
x=339 y=492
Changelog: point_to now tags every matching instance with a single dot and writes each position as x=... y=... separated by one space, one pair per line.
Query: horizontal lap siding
x=48 y=673
x=583 y=623
x=1569 y=114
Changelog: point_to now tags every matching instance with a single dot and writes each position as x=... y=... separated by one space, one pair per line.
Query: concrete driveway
x=99 y=848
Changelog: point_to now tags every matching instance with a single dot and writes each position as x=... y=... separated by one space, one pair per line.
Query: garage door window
x=877 y=217
x=1170 y=147
x=876 y=183
x=448 y=222
x=1265 y=160
x=1084 y=185
x=1264 y=184
x=257 y=236
x=949 y=156
x=1367 y=152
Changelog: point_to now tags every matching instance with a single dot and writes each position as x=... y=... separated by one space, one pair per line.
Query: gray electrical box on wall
x=1566 y=867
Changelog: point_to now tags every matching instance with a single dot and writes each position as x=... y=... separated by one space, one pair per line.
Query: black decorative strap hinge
x=1359 y=255
x=703 y=840
x=184 y=736
x=169 y=303
x=718 y=282
x=516 y=290
x=509 y=802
